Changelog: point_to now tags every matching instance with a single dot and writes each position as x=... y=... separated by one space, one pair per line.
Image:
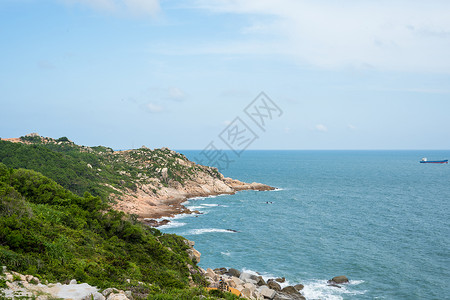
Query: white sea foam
x=172 y=225
x=319 y=289
x=227 y=253
x=208 y=230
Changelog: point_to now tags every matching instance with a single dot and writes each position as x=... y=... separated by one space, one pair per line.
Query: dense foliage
x=98 y=170
x=47 y=231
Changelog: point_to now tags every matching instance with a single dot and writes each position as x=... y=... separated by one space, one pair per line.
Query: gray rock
x=129 y=294
x=260 y=281
x=247 y=277
x=95 y=296
x=266 y=292
x=273 y=285
x=73 y=281
x=220 y=271
x=338 y=279
x=234 y=272
x=108 y=291
x=290 y=290
x=299 y=287
x=246 y=292
x=282 y=296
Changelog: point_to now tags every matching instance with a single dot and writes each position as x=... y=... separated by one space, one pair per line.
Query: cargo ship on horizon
x=426 y=161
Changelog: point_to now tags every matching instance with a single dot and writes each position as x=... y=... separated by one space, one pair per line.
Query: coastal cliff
x=144 y=182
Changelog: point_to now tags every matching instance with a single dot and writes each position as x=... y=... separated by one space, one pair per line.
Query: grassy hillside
x=98 y=170
x=54 y=234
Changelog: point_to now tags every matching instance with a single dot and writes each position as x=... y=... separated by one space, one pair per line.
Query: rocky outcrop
x=252 y=286
x=338 y=280
x=29 y=287
x=148 y=183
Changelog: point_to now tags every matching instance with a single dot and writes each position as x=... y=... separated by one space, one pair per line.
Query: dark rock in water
x=220 y=271
x=338 y=280
x=280 y=280
x=273 y=285
x=260 y=281
x=232 y=230
x=299 y=287
x=334 y=285
x=290 y=290
x=234 y=272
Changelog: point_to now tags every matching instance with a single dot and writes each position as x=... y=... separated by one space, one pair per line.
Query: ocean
x=379 y=217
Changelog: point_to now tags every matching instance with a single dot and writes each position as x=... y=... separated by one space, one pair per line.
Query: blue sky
x=125 y=73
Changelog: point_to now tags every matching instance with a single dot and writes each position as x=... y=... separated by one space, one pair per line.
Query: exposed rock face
x=152 y=183
x=29 y=287
x=338 y=280
x=251 y=286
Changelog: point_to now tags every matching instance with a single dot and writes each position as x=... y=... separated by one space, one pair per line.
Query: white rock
x=250 y=286
x=246 y=292
x=73 y=281
x=237 y=281
x=247 y=277
x=113 y=296
x=266 y=292
x=108 y=291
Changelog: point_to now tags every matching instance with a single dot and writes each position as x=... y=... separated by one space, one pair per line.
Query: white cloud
x=154 y=108
x=351 y=127
x=321 y=127
x=175 y=93
x=134 y=7
x=402 y=35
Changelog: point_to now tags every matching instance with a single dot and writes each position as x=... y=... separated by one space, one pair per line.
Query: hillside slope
x=145 y=182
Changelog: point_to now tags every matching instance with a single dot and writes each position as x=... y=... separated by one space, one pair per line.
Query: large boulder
x=237 y=281
x=247 y=293
x=338 y=280
x=194 y=254
x=299 y=287
x=220 y=271
x=267 y=293
x=290 y=290
x=234 y=272
x=273 y=285
x=260 y=281
x=247 y=277
x=280 y=280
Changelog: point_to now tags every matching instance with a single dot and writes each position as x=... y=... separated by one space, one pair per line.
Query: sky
x=354 y=74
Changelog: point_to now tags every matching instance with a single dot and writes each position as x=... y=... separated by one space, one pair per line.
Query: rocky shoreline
x=168 y=202
x=254 y=286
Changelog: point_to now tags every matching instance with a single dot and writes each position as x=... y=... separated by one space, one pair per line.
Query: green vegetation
x=56 y=224
x=47 y=231
x=99 y=170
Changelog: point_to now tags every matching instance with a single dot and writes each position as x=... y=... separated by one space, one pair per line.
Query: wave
x=172 y=225
x=319 y=289
x=208 y=230
x=227 y=253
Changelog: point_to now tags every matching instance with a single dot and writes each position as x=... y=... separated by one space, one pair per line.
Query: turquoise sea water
x=378 y=217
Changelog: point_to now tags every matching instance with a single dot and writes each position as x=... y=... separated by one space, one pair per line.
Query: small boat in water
x=426 y=161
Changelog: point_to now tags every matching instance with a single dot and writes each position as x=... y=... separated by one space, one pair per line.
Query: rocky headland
x=149 y=183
